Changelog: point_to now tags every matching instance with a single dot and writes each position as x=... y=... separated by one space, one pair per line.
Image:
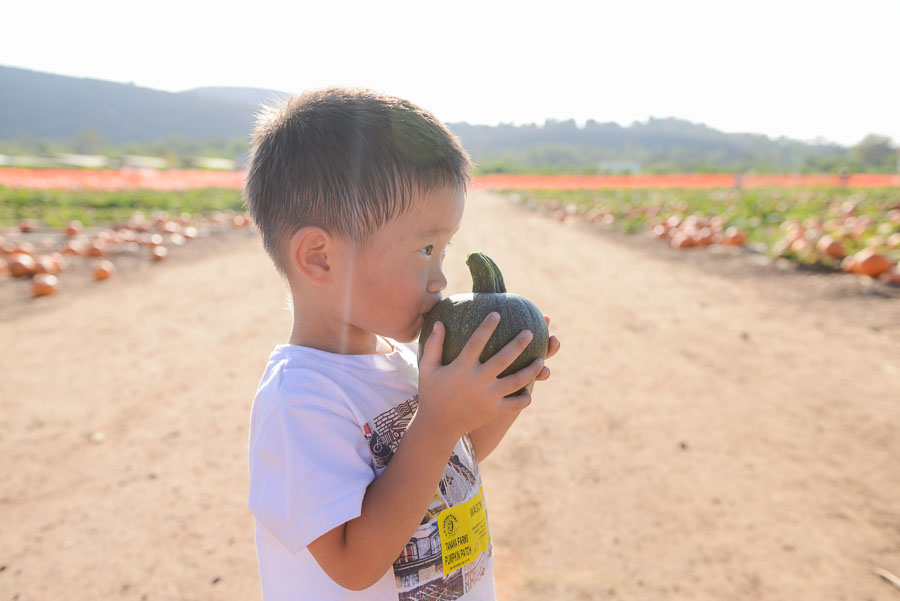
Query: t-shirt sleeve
x=309 y=471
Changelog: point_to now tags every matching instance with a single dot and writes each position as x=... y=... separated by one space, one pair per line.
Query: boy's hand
x=461 y=396
x=552 y=349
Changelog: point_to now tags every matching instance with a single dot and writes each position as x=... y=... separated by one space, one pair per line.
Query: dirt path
x=703 y=436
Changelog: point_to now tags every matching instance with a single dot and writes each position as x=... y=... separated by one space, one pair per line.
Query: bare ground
x=713 y=428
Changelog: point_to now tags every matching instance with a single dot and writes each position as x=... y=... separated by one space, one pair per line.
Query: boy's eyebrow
x=438 y=230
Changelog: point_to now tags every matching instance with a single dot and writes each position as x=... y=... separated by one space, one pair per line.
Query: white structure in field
x=143 y=162
x=214 y=163
x=89 y=161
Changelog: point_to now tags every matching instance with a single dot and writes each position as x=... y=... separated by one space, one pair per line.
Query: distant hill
x=57 y=107
x=253 y=96
x=658 y=144
x=43 y=113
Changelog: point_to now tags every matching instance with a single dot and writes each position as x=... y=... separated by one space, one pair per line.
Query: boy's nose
x=437 y=282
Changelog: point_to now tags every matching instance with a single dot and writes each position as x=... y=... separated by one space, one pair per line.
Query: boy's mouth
x=432 y=306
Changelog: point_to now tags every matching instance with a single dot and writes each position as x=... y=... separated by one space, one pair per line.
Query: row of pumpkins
x=20 y=259
x=811 y=240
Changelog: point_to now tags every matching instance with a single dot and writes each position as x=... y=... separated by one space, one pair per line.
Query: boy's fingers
x=472 y=350
x=553 y=347
x=434 y=346
x=508 y=354
x=520 y=379
x=516 y=403
x=545 y=373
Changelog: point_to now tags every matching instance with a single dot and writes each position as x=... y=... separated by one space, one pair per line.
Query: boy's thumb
x=434 y=346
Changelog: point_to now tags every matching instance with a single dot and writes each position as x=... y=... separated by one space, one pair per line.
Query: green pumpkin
x=461 y=315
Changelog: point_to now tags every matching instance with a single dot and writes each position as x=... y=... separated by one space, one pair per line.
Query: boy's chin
x=407 y=335
x=404 y=338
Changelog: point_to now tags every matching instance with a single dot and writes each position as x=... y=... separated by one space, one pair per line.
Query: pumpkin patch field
x=721 y=420
x=81 y=238
x=824 y=229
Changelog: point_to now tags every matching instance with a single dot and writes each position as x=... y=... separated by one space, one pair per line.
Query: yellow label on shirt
x=464 y=532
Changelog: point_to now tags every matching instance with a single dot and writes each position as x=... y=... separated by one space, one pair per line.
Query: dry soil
x=713 y=428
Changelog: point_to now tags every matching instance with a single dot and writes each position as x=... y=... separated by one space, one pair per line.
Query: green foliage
x=875 y=152
x=55 y=207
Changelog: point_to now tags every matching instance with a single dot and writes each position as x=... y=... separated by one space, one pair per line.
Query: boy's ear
x=311 y=253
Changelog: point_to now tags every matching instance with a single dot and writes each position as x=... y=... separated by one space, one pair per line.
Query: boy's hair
x=347 y=160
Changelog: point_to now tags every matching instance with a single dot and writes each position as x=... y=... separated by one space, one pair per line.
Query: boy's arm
x=453 y=399
x=486 y=438
x=356 y=554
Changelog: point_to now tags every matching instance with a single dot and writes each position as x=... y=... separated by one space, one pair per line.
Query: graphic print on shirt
x=385 y=431
x=447 y=553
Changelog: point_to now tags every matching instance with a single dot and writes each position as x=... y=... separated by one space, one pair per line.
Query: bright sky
x=800 y=68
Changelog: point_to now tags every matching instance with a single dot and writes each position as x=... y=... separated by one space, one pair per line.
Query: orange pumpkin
x=681 y=240
x=703 y=236
x=73 y=247
x=44 y=284
x=95 y=249
x=104 y=270
x=830 y=247
x=21 y=265
x=72 y=228
x=27 y=225
x=849 y=264
x=801 y=246
x=45 y=264
x=872 y=263
x=734 y=236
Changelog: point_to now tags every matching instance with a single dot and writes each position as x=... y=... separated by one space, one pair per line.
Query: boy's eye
x=429 y=250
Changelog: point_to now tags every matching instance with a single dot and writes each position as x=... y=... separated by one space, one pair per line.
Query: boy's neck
x=341 y=339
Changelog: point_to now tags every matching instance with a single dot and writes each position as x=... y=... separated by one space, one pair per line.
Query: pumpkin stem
x=486 y=276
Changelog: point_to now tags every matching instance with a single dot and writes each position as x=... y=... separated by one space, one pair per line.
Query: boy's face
x=398 y=277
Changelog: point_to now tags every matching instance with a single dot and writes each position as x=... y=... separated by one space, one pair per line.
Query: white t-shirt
x=322 y=428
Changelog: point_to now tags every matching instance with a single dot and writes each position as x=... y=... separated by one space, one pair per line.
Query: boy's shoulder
x=305 y=362
x=297 y=375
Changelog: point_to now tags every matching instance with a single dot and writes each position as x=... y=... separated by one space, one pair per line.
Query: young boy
x=363 y=475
